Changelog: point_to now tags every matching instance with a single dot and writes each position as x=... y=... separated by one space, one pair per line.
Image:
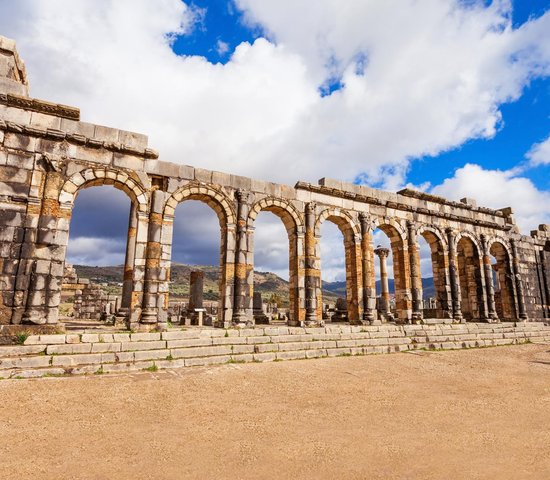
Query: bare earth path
x=481 y=413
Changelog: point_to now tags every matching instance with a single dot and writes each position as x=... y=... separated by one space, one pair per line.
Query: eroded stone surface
x=47 y=155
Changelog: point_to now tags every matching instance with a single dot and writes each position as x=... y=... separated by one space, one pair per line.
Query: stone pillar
x=153 y=302
x=258 y=309
x=416 y=277
x=453 y=277
x=196 y=288
x=242 y=311
x=128 y=281
x=519 y=284
x=369 y=278
x=384 y=305
x=490 y=289
x=312 y=273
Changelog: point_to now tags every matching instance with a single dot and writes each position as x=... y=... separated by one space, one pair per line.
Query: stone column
x=128 y=281
x=153 y=302
x=369 y=278
x=519 y=284
x=196 y=288
x=242 y=312
x=416 y=277
x=490 y=289
x=453 y=277
x=312 y=274
x=384 y=305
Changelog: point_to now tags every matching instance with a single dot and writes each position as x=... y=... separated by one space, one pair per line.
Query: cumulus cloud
x=539 y=154
x=498 y=189
x=416 y=78
x=410 y=88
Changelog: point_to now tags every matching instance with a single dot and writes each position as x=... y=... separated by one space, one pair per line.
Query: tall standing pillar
x=384 y=305
x=369 y=279
x=312 y=274
x=128 y=280
x=545 y=280
x=153 y=301
x=416 y=278
x=519 y=284
x=490 y=289
x=453 y=277
x=242 y=308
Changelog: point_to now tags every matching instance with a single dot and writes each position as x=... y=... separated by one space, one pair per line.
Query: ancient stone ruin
x=48 y=155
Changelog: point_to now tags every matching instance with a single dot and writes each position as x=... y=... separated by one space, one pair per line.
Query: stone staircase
x=70 y=354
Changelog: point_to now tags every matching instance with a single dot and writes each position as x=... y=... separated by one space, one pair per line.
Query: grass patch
x=21 y=338
x=99 y=371
x=152 y=368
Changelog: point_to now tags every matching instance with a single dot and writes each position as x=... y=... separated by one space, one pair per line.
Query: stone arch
x=471 y=278
x=397 y=235
x=103 y=176
x=214 y=198
x=291 y=218
x=352 y=247
x=294 y=225
x=137 y=227
x=440 y=268
x=225 y=211
x=505 y=285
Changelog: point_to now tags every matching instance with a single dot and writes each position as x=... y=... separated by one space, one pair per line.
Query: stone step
x=111 y=352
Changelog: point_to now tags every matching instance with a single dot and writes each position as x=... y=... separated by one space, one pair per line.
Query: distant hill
x=339 y=288
x=267 y=283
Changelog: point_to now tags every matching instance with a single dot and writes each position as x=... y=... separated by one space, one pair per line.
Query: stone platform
x=72 y=354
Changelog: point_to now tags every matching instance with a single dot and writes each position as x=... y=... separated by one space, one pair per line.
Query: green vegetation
x=20 y=338
x=152 y=368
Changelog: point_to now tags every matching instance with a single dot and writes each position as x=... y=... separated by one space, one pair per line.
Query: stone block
x=190 y=342
x=90 y=338
x=194 y=362
x=69 y=349
x=18 y=350
x=52 y=339
x=144 y=337
x=264 y=357
x=24 y=362
x=294 y=355
x=200 y=351
x=151 y=355
x=135 y=346
x=102 y=347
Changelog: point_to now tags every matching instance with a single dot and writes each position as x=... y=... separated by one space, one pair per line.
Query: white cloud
x=222 y=47
x=498 y=189
x=411 y=87
x=96 y=251
x=539 y=154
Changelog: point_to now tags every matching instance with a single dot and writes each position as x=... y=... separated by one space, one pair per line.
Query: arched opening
x=392 y=252
x=197 y=262
x=435 y=281
x=471 y=285
x=334 y=296
x=95 y=272
x=503 y=283
x=340 y=271
x=274 y=276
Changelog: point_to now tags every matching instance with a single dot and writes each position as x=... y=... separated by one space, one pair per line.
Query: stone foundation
x=47 y=355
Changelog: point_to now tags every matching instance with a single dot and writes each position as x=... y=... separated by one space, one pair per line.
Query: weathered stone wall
x=47 y=155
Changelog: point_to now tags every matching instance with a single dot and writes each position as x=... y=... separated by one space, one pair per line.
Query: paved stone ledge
x=47 y=355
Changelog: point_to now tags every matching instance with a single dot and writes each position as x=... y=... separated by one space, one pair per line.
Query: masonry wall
x=47 y=155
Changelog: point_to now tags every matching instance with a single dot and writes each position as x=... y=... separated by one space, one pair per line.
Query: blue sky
x=447 y=96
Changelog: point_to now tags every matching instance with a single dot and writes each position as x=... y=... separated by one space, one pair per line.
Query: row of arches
x=464 y=287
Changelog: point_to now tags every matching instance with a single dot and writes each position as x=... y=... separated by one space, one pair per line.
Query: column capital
x=382 y=252
x=244 y=196
x=310 y=207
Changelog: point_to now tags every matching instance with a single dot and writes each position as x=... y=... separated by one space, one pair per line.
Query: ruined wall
x=47 y=155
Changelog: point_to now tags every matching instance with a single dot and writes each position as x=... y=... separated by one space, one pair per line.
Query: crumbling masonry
x=47 y=156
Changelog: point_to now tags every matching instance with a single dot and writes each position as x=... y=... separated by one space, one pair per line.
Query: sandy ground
x=481 y=413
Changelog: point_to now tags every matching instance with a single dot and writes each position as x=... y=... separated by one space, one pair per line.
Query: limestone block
x=190 y=342
x=69 y=348
x=132 y=345
x=51 y=339
x=144 y=337
x=24 y=362
x=17 y=350
x=106 y=347
x=264 y=357
x=191 y=362
x=200 y=351
x=151 y=355
x=42 y=120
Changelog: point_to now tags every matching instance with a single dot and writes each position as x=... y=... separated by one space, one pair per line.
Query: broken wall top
x=13 y=75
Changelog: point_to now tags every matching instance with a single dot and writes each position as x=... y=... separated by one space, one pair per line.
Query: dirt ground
x=482 y=413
